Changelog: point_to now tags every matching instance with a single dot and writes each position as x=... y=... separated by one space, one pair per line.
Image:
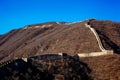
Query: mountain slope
x=53 y=37
x=49 y=37
x=104 y=67
x=109 y=33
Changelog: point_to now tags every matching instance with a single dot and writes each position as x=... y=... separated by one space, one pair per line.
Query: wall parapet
x=94 y=54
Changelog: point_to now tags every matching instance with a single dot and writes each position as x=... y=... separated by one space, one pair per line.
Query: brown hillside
x=104 y=67
x=109 y=33
x=48 y=38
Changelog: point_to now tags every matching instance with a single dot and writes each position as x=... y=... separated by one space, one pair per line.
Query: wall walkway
x=103 y=50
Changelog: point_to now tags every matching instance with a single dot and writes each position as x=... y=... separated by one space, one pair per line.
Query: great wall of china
x=103 y=50
x=2 y=64
x=91 y=54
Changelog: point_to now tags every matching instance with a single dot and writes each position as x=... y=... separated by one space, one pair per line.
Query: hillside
x=109 y=33
x=104 y=67
x=49 y=37
x=59 y=37
x=71 y=38
x=64 y=68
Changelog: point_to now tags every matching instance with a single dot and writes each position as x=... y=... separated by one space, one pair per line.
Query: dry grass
x=71 y=39
x=109 y=33
x=104 y=67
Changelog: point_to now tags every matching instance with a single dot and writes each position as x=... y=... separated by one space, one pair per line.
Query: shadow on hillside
x=66 y=68
x=110 y=43
x=20 y=70
x=49 y=69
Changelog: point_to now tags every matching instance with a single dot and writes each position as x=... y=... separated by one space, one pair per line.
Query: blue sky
x=18 y=13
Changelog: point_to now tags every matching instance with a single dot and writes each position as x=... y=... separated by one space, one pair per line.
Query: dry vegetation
x=109 y=33
x=104 y=67
x=66 y=68
x=71 y=39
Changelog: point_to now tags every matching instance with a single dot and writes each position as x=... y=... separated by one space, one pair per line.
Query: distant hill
x=54 y=37
x=0 y=35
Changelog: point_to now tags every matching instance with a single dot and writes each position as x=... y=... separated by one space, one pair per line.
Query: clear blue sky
x=18 y=13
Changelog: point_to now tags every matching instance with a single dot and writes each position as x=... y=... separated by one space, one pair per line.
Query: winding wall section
x=103 y=50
